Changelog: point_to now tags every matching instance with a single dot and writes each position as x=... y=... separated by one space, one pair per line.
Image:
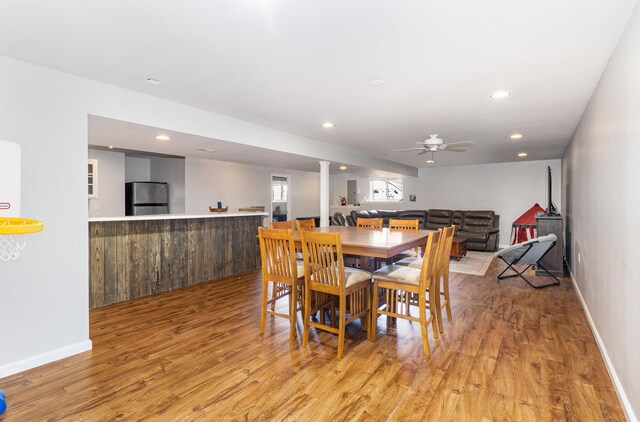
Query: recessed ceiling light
x=376 y=83
x=516 y=136
x=163 y=137
x=206 y=149
x=343 y=167
x=500 y=94
x=522 y=154
x=154 y=81
x=328 y=125
x=430 y=161
x=110 y=146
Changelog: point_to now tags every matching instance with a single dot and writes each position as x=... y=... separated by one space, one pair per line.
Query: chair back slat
x=374 y=223
x=323 y=259
x=430 y=260
x=447 y=240
x=412 y=225
x=281 y=225
x=306 y=225
x=277 y=253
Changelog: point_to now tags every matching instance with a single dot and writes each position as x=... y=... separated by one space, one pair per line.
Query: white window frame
x=94 y=163
x=288 y=201
x=387 y=180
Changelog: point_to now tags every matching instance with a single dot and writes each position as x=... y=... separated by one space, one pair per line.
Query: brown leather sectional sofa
x=480 y=228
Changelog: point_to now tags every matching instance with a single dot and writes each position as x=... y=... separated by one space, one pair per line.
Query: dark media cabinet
x=554 y=259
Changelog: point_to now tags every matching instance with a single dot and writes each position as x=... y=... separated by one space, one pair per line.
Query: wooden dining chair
x=308 y=225
x=406 y=225
x=399 y=282
x=442 y=281
x=281 y=225
x=374 y=223
x=283 y=272
x=325 y=274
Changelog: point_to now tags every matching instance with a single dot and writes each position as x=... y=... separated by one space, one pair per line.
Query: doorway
x=280 y=197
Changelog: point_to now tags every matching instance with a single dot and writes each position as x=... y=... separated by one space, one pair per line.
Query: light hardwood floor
x=511 y=353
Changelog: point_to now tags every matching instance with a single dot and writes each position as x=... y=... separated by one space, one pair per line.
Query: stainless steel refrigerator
x=146 y=198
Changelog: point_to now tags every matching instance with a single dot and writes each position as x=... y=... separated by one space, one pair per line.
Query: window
x=280 y=188
x=385 y=190
x=93 y=179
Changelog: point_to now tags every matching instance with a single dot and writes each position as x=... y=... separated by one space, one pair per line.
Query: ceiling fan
x=433 y=144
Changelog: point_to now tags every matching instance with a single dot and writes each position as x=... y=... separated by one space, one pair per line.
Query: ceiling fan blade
x=461 y=144
x=454 y=149
x=423 y=152
x=407 y=149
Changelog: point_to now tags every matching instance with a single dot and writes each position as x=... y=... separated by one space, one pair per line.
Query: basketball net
x=10 y=246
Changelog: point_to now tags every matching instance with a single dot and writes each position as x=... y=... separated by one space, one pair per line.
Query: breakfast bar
x=137 y=256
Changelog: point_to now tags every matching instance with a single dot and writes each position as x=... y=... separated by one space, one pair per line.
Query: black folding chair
x=528 y=253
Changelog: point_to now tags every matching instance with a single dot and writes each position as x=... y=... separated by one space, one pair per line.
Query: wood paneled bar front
x=131 y=257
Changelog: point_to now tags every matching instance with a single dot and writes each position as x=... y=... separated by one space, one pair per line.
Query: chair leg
x=341 y=329
x=373 y=321
x=366 y=320
x=438 y=306
x=540 y=286
x=293 y=305
x=274 y=293
x=432 y=311
x=423 y=325
x=263 y=312
x=445 y=286
x=306 y=315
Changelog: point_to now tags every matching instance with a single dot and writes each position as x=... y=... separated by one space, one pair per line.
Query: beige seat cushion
x=411 y=262
x=400 y=274
x=354 y=276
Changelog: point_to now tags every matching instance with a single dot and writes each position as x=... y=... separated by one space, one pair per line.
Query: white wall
x=241 y=185
x=137 y=169
x=45 y=306
x=171 y=171
x=110 y=201
x=509 y=189
x=602 y=204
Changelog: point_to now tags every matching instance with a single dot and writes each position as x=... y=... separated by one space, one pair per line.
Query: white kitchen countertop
x=178 y=216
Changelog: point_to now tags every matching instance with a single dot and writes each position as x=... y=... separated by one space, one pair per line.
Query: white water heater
x=10 y=158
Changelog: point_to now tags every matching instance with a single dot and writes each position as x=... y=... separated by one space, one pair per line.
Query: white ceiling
x=133 y=138
x=291 y=64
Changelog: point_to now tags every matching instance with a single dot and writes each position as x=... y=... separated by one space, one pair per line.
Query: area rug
x=476 y=263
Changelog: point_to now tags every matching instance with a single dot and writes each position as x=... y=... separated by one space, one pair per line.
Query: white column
x=324 y=193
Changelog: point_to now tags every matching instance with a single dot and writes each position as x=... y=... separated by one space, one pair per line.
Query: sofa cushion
x=420 y=215
x=456 y=218
x=438 y=218
x=386 y=215
x=339 y=219
x=474 y=236
x=355 y=214
x=477 y=221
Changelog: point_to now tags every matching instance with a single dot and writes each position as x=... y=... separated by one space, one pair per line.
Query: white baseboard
x=44 y=358
x=622 y=396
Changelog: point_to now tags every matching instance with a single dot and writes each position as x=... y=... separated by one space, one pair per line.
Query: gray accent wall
x=602 y=208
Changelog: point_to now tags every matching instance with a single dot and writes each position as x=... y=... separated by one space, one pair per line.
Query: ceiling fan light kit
x=434 y=144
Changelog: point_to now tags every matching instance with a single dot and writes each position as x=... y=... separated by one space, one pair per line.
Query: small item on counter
x=219 y=209
x=219 y=204
x=343 y=200
x=253 y=208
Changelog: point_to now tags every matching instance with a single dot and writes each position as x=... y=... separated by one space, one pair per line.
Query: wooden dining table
x=369 y=242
